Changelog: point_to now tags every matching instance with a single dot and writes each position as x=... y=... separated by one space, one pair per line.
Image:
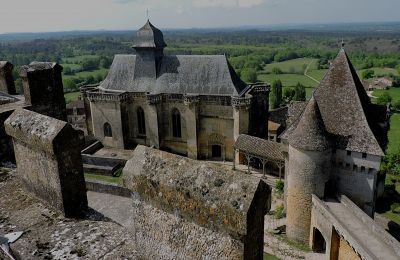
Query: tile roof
x=178 y=74
x=310 y=133
x=345 y=109
x=259 y=147
x=344 y=103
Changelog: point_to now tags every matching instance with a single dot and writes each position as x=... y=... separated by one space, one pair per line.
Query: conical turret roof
x=344 y=104
x=310 y=133
x=149 y=37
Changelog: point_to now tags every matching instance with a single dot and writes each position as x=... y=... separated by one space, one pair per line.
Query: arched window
x=176 y=123
x=107 y=130
x=141 y=121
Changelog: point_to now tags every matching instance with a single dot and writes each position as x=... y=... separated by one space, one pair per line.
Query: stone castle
x=173 y=207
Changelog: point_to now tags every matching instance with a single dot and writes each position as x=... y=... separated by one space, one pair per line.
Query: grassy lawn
x=393 y=92
x=394 y=134
x=84 y=74
x=317 y=74
x=69 y=97
x=291 y=66
x=381 y=71
x=77 y=59
x=270 y=257
x=110 y=179
x=72 y=66
x=288 y=79
x=302 y=247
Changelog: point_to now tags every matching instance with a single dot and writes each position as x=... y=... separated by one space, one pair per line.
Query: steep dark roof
x=310 y=133
x=179 y=74
x=343 y=103
x=259 y=147
x=149 y=37
x=279 y=115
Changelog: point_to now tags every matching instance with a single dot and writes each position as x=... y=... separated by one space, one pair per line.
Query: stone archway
x=319 y=243
x=216 y=147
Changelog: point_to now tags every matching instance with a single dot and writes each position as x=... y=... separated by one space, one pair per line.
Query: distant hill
x=384 y=27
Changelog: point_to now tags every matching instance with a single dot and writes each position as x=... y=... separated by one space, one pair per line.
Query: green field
x=292 y=66
x=393 y=92
x=381 y=71
x=77 y=59
x=69 y=97
x=85 y=74
x=288 y=79
x=317 y=74
x=394 y=134
x=73 y=66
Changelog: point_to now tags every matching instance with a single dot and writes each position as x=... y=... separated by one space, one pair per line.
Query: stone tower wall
x=308 y=173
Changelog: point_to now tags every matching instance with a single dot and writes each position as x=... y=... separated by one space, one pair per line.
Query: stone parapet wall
x=43 y=89
x=7 y=84
x=190 y=209
x=48 y=158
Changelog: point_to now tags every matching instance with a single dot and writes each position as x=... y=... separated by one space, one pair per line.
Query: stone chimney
x=43 y=89
x=6 y=78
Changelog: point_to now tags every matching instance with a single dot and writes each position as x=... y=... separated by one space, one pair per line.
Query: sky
x=67 y=15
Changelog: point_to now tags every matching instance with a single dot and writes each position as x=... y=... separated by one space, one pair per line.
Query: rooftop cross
x=147 y=13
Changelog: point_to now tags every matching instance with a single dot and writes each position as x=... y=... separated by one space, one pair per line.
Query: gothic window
x=107 y=130
x=176 y=123
x=141 y=121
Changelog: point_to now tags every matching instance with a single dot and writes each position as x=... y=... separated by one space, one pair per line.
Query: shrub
x=275 y=98
x=367 y=74
x=384 y=99
x=280 y=212
x=279 y=185
x=249 y=75
x=396 y=105
x=276 y=71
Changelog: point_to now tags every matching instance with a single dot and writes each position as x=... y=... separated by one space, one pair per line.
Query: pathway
x=308 y=76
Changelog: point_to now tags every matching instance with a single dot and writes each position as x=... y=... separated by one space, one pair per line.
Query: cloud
x=227 y=3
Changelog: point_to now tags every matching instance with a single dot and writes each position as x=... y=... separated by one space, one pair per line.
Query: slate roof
x=310 y=133
x=149 y=37
x=345 y=109
x=259 y=147
x=344 y=103
x=178 y=74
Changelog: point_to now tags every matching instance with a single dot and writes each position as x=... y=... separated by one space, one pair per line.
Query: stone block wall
x=307 y=174
x=187 y=209
x=48 y=158
x=43 y=89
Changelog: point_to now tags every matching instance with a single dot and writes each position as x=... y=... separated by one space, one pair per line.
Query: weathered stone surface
x=43 y=89
x=191 y=209
x=48 y=235
x=48 y=158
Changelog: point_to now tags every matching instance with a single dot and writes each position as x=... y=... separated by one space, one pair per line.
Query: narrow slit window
x=176 y=123
x=141 y=121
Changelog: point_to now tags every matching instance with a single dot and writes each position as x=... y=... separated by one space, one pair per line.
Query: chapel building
x=192 y=105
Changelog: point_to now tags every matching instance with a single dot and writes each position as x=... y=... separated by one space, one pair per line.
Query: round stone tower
x=308 y=170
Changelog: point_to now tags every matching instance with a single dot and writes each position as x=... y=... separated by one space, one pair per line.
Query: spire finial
x=147 y=13
x=343 y=43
